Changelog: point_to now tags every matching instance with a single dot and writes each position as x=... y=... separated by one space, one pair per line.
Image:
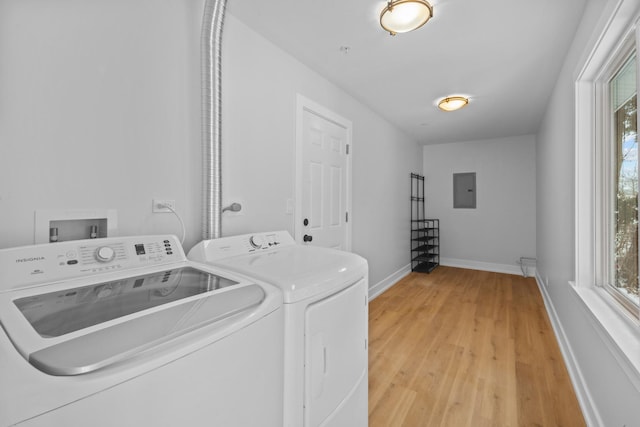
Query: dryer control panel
x=225 y=247
x=51 y=262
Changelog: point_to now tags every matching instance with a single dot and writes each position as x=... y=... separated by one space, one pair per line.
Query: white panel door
x=324 y=181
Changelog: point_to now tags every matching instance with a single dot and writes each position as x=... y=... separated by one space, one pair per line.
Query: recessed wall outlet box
x=59 y=225
x=160 y=205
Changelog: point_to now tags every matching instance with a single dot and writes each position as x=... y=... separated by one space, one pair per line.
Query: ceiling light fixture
x=401 y=16
x=452 y=103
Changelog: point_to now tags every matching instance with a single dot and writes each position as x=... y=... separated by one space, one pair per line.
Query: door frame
x=305 y=104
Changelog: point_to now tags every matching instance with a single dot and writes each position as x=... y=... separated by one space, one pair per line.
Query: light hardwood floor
x=462 y=348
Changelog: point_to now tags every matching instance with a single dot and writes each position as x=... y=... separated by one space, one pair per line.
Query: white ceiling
x=504 y=54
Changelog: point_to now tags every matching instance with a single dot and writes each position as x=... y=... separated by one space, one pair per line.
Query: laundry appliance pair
x=253 y=330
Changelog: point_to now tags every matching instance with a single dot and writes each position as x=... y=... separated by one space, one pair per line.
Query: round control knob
x=256 y=241
x=105 y=254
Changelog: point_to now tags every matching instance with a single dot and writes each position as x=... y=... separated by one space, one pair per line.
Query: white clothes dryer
x=325 y=295
x=126 y=331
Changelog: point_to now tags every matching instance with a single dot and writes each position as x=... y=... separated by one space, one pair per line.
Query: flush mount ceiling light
x=452 y=103
x=401 y=16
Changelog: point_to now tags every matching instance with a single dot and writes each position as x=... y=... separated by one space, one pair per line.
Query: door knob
x=307 y=238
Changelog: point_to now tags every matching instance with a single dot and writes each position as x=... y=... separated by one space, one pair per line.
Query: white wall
x=100 y=108
x=259 y=101
x=502 y=227
x=614 y=399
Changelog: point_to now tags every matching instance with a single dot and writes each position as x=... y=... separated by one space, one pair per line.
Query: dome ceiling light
x=402 y=16
x=452 y=103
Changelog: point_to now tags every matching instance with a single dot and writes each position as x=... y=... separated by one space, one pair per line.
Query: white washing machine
x=126 y=331
x=326 y=316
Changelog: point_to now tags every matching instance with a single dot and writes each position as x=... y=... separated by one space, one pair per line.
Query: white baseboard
x=388 y=282
x=485 y=266
x=591 y=416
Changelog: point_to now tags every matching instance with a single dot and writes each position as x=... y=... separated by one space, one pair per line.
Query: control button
x=256 y=241
x=105 y=254
x=71 y=254
x=105 y=292
x=72 y=261
x=166 y=241
x=169 y=253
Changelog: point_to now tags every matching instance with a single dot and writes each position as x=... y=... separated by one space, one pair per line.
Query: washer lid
x=65 y=329
x=60 y=312
x=300 y=271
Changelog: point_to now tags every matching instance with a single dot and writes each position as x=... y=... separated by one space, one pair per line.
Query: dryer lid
x=300 y=271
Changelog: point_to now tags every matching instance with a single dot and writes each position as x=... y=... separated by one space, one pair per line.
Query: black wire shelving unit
x=425 y=232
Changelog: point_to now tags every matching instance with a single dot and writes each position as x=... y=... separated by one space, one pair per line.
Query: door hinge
x=347 y=148
x=346 y=217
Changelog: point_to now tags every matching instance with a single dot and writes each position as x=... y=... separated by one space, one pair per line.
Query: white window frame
x=604 y=192
x=617 y=326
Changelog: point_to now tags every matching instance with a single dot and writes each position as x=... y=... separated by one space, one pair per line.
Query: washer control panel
x=51 y=262
x=224 y=247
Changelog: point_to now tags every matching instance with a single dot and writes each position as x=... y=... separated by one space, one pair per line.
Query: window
x=607 y=253
x=606 y=185
x=620 y=135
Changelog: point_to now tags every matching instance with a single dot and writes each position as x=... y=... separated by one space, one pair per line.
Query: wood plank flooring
x=462 y=348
